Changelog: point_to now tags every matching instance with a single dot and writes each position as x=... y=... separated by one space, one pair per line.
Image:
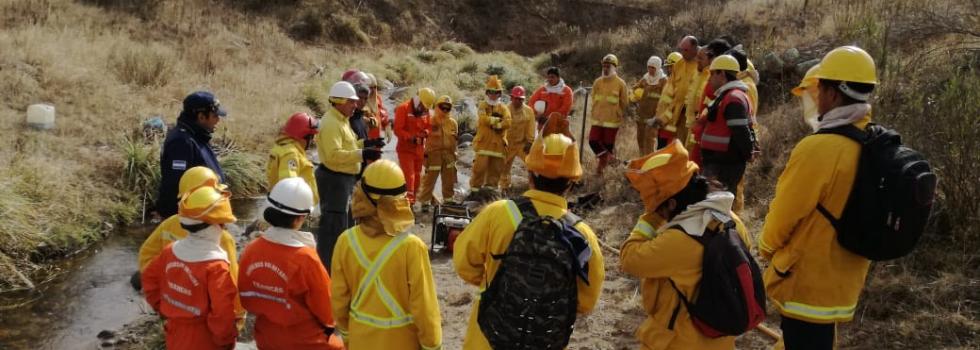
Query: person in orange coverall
x=189 y=284
x=412 y=127
x=283 y=282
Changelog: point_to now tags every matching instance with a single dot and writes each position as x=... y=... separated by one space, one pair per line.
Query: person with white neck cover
x=646 y=95
x=490 y=144
x=552 y=102
x=609 y=101
x=284 y=283
x=189 y=284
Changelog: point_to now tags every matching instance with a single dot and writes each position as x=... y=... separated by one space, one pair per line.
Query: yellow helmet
x=673 y=58
x=662 y=174
x=383 y=178
x=847 y=63
x=444 y=99
x=807 y=82
x=724 y=62
x=196 y=177
x=427 y=97
x=554 y=156
x=207 y=204
x=494 y=83
x=611 y=59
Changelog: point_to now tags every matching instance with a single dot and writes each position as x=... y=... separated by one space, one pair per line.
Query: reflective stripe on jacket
x=811 y=277
x=384 y=294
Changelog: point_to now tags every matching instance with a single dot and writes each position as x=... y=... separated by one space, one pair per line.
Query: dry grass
x=107 y=65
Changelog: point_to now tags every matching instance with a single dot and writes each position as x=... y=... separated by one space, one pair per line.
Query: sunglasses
x=494 y=92
x=446 y=108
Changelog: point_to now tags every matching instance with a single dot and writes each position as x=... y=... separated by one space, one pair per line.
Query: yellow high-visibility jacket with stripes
x=657 y=258
x=695 y=96
x=288 y=159
x=810 y=276
x=522 y=126
x=609 y=100
x=397 y=309
x=674 y=97
x=491 y=232
x=491 y=134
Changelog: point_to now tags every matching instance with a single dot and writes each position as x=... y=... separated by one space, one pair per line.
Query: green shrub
x=457 y=49
x=245 y=173
x=144 y=66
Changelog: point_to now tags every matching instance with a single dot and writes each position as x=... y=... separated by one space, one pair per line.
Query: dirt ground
x=610 y=326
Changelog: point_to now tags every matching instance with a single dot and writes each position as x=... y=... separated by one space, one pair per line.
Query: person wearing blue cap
x=188 y=145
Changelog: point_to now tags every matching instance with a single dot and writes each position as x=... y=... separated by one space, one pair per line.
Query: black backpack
x=892 y=196
x=531 y=301
x=731 y=299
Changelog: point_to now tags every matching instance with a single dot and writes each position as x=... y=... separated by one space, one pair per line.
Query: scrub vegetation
x=110 y=65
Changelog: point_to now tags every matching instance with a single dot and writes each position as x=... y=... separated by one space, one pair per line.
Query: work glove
x=653 y=122
x=374 y=143
x=370 y=154
x=372 y=122
x=388 y=135
x=424 y=134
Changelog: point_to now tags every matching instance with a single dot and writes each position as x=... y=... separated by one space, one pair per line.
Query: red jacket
x=410 y=129
x=560 y=103
x=288 y=289
x=196 y=298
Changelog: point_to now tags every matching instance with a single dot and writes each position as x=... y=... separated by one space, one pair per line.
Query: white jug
x=40 y=116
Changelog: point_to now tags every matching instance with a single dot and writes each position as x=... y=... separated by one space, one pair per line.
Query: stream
x=91 y=291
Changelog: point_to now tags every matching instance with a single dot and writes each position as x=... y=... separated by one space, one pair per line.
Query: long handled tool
x=585 y=111
x=768 y=331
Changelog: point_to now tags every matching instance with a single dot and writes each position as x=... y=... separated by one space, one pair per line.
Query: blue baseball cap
x=203 y=101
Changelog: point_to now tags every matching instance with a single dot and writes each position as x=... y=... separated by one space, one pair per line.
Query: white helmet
x=292 y=196
x=539 y=106
x=343 y=89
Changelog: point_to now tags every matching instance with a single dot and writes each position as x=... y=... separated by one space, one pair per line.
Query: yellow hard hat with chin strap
x=208 y=205
x=196 y=177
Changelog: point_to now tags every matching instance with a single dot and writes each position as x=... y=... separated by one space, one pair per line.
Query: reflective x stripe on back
x=399 y=318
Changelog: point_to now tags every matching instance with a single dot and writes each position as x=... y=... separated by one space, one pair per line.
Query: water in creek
x=91 y=294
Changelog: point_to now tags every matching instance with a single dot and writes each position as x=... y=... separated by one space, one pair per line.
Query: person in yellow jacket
x=288 y=157
x=812 y=280
x=341 y=155
x=670 y=109
x=384 y=295
x=170 y=230
x=521 y=132
x=609 y=102
x=440 y=155
x=646 y=95
x=553 y=166
x=490 y=143
x=658 y=252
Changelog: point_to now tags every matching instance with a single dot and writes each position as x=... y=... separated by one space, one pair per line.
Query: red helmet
x=300 y=126
x=355 y=77
x=517 y=92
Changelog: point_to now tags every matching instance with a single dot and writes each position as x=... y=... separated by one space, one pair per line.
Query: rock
x=791 y=55
x=772 y=62
x=464 y=145
x=465 y=138
x=804 y=66
x=106 y=334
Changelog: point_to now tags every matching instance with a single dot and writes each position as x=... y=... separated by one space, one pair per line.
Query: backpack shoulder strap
x=526 y=207
x=570 y=219
x=849 y=131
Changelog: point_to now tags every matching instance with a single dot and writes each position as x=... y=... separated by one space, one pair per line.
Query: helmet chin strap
x=846 y=90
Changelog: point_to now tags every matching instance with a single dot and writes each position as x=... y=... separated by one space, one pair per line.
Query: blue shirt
x=187 y=146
